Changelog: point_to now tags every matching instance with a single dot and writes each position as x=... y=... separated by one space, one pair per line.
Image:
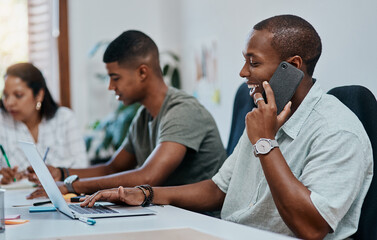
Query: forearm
x=129 y=178
x=94 y=171
x=59 y=174
x=292 y=198
x=121 y=161
x=158 y=167
x=201 y=196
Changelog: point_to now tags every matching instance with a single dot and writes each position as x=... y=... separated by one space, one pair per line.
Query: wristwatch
x=264 y=146
x=69 y=181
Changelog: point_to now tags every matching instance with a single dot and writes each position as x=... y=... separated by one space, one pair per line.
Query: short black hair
x=293 y=36
x=34 y=79
x=130 y=48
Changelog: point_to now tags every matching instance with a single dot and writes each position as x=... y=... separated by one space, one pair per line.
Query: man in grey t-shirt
x=172 y=141
x=181 y=119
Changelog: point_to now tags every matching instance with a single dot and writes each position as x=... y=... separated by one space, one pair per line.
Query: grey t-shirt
x=182 y=119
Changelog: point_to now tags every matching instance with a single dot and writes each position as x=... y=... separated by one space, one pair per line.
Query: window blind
x=47 y=45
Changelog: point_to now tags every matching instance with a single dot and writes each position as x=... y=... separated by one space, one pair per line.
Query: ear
x=295 y=61
x=40 y=95
x=143 y=71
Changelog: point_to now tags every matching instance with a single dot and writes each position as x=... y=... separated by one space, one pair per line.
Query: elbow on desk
x=312 y=233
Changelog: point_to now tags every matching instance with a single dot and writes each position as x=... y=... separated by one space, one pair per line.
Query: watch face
x=71 y=179
x=263 y=146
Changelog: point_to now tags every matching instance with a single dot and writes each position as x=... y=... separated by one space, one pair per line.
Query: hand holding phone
x=284 y=83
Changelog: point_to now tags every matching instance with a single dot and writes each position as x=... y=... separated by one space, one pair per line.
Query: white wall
x=91 y=21
x=346 y=27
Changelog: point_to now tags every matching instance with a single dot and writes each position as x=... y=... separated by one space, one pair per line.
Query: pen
x=87 y=220
x=41 y=203
x=45 y=156
x=6 y=158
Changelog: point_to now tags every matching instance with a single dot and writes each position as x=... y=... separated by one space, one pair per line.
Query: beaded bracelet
x=145 y=195
x=151 y=195
x=147 y=199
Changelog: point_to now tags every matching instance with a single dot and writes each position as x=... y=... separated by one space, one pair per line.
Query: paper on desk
x=22 y=184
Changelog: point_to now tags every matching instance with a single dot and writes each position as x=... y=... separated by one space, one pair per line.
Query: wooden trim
x=63 y=52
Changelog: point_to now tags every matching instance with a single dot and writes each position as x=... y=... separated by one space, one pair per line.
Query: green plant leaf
x=88 y=142
x=175 y=56
x=175 y=79
x=115 y=127
x=165 y=69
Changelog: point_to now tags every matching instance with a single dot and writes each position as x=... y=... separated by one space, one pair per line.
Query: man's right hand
x=130 y=196
x=55 y=172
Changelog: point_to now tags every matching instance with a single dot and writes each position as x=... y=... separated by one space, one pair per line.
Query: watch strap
x=274 y=143
x=70 y=188
x=68 y=183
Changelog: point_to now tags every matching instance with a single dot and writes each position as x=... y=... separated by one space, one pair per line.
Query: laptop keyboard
x=96 y=209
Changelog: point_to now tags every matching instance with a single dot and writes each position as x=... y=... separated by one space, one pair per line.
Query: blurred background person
x=28 y=113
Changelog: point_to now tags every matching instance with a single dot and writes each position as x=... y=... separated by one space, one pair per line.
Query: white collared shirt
x=326 y=148
x=60 y=133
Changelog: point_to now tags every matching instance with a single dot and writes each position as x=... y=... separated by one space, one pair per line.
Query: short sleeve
x=224 y=175
x=185 y=124
x=335 y=174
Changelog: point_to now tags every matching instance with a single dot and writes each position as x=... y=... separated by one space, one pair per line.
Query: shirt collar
x=294 y=124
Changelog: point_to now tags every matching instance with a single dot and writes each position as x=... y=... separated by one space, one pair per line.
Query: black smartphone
x=284 y=83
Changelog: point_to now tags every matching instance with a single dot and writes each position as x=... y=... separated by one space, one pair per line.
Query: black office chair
x=243 y=104
x=363 y=103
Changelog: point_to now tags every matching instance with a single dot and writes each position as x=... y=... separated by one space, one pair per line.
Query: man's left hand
x=40 y=192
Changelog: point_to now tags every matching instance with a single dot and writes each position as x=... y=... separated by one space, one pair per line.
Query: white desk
x=56 y=224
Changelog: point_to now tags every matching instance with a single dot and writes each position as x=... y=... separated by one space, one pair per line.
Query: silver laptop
x=73 y=210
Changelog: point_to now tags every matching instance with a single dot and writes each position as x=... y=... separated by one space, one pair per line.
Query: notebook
x=73 y=210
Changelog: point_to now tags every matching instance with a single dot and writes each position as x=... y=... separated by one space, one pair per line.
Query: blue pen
x=87 y=220
x=45 y=156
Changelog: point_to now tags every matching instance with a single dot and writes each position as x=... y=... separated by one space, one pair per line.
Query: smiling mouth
x=252 y=88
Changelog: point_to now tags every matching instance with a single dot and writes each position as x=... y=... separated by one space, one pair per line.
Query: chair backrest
x=243 y=104
x=363 y=103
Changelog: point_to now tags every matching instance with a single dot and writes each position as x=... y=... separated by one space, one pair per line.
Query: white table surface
x=56 y=224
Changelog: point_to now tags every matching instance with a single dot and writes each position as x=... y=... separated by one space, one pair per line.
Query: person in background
x=173 y=139
x=29 y=113
x=304 y=172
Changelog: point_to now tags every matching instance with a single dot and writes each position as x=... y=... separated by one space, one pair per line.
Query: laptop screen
x=45 y=177
x=55 y=195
